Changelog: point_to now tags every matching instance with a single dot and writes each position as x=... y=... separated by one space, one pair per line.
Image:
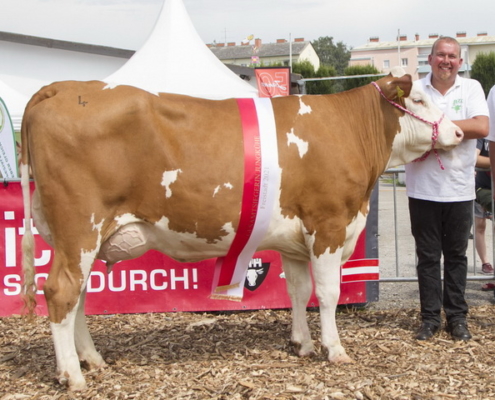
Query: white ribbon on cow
x=268 y=188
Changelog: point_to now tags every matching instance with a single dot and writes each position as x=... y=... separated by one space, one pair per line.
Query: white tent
x=174 y=59
x=15 y=102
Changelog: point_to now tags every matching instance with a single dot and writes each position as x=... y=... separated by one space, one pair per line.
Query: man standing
x=441 y=201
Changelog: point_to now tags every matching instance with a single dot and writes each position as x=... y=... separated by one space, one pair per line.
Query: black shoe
x=459 y=331
x=426 y=331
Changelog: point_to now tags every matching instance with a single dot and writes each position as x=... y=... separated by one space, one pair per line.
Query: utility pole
x=398 y=38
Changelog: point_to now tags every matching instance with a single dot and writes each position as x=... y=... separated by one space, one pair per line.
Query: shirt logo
x=457 y=105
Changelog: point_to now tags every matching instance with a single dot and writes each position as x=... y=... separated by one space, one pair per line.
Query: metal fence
x=396 y=243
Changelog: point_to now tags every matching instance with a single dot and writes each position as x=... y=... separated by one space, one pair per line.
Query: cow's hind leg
x=326 y=273
x=299 y=287
x=88 y=355
x=63 y=291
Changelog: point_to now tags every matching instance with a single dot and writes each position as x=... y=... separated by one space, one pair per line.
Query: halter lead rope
x=435 y=125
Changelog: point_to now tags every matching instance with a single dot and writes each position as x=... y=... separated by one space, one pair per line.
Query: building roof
x=65 y=45
x=265 y=50
x=471 y=41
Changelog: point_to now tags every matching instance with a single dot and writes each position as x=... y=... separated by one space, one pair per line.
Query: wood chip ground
x=247 y=355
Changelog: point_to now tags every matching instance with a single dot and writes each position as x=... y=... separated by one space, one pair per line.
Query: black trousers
x=441 y=228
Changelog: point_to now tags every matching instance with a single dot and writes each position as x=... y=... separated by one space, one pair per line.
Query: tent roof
x=174 y=59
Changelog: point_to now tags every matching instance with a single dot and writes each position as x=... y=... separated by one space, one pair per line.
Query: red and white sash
x=261 y=184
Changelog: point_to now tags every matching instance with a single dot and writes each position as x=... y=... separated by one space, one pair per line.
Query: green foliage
x=331 y=54
x=359 y=70
x=483 y=70
x=323 y=86
x=307 y=70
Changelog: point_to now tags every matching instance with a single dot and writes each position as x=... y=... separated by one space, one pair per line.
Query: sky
x=127 y=23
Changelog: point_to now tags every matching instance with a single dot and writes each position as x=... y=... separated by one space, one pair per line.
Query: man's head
x=445 y=59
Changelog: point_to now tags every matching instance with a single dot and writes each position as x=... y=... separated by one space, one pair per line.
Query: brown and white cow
x=99 y=156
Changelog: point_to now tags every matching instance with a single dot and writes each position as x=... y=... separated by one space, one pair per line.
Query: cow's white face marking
x=168 y=178
x=415 y=136
x=225 y=185
x=302 y=146
x=304 y=108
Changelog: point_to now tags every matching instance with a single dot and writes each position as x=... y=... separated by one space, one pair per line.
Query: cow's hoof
x=337 y=355
x=91 y=366
x=341 y=359
x=303 y=350
x=75 y=385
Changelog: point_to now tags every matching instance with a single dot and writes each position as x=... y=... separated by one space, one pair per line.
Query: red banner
x=151 y=283
x=273 y=81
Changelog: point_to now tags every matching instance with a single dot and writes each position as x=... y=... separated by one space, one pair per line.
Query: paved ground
x=402 y=263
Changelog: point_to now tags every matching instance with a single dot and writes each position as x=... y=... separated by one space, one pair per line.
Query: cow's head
x=423 y=126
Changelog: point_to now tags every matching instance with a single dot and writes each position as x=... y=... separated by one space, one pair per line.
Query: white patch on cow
x=188 y=246
x=68 y=364
x=302 y=146
x=88 y=256
x=168 y=178
x=125 y=219
x=225 y=185
x=304 y=108
x=353 y=231
x=326 y=273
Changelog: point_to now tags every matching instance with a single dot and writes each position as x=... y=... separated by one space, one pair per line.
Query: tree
x=359 y=70
x=307 y=70
x=330 y=54
x=483 y=70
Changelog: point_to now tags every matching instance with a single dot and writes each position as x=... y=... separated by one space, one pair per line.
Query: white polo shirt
x=425 y=180
x=491 y=108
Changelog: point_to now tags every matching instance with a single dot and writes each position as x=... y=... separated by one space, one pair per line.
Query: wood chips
x=246 y=355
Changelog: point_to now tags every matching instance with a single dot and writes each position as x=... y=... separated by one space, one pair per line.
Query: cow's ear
x=395 y=88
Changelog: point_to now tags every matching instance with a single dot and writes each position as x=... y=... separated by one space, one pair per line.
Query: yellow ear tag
x=400 y=92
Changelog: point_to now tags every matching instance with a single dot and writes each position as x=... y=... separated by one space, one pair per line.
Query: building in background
x=266 y=54
x=412 y=54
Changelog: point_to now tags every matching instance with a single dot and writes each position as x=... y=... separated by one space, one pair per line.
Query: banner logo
x=273 y=81
x=256 y=274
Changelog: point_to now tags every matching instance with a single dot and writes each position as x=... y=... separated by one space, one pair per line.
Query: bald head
x=446 y=39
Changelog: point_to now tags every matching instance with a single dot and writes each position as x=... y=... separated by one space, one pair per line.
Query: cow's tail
x=29 y=283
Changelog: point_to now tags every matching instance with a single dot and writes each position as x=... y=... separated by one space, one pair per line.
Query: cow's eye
x=417 y=101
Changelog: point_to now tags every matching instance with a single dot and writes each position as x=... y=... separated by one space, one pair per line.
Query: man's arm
x=474 y=128
x=482 y=162
x=491 y=150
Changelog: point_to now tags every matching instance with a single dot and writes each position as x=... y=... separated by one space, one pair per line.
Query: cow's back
x=111 y=152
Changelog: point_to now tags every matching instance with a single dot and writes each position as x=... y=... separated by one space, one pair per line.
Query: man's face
x=445 y=61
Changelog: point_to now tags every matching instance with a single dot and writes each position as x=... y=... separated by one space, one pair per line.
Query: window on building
x=386 y=63
x=403 y=62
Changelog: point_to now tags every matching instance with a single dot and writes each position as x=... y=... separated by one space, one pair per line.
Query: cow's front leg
x=84 y=343
x=299 y=287
x=326 y=273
